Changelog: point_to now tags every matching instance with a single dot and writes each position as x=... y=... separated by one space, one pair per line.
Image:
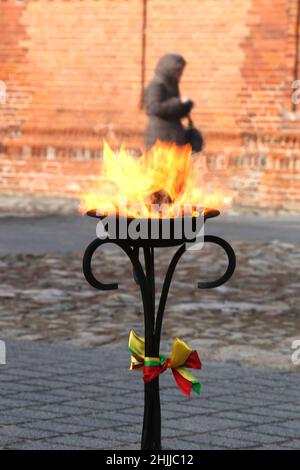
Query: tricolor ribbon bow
x=182 y=356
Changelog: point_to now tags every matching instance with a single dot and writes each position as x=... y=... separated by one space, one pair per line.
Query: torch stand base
x=145 y=278
x=151 y=435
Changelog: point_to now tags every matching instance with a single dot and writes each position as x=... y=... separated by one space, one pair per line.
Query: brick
x=57 y=114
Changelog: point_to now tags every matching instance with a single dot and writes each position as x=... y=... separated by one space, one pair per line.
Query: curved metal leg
x=231 y=262
x=87 y=266
x=136 y=251
x=145 y=291
x=151 y=434
x=201 y=285
x=165 y=289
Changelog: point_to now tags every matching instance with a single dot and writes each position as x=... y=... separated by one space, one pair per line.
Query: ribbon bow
x=182 y=356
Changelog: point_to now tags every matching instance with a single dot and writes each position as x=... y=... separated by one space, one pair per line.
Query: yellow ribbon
x=182 y=356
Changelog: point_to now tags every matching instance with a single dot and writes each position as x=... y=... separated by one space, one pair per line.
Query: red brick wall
x=73 y=71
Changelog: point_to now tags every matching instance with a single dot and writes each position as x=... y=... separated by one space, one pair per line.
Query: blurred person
x=164 y=105
x=165 y=109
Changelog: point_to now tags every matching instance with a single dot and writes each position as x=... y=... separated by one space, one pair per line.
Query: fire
x=166 y=174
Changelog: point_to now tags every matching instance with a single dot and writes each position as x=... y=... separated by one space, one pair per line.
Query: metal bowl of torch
x=157 y=231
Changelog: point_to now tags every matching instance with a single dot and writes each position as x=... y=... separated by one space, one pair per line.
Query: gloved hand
x=185 y=99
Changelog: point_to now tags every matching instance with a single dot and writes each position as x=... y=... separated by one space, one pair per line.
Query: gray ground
x=64 y=397
x=67 y=233
x=59 y=396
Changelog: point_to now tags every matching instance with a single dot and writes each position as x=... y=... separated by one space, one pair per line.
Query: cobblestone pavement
x=65 y=397
x=252 y=320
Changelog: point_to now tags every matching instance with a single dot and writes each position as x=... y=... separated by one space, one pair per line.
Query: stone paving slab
x=60 y=396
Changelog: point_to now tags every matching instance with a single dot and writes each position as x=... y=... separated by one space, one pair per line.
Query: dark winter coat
x=163 y=105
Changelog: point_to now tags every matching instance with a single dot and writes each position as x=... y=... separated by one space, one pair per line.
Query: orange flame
x=129 y=185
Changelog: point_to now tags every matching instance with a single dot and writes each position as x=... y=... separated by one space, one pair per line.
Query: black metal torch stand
x=145 y=278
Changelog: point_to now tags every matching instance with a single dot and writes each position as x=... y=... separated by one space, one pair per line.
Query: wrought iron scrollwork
x=133 y=255
x=87 y=266
x=231 y=262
